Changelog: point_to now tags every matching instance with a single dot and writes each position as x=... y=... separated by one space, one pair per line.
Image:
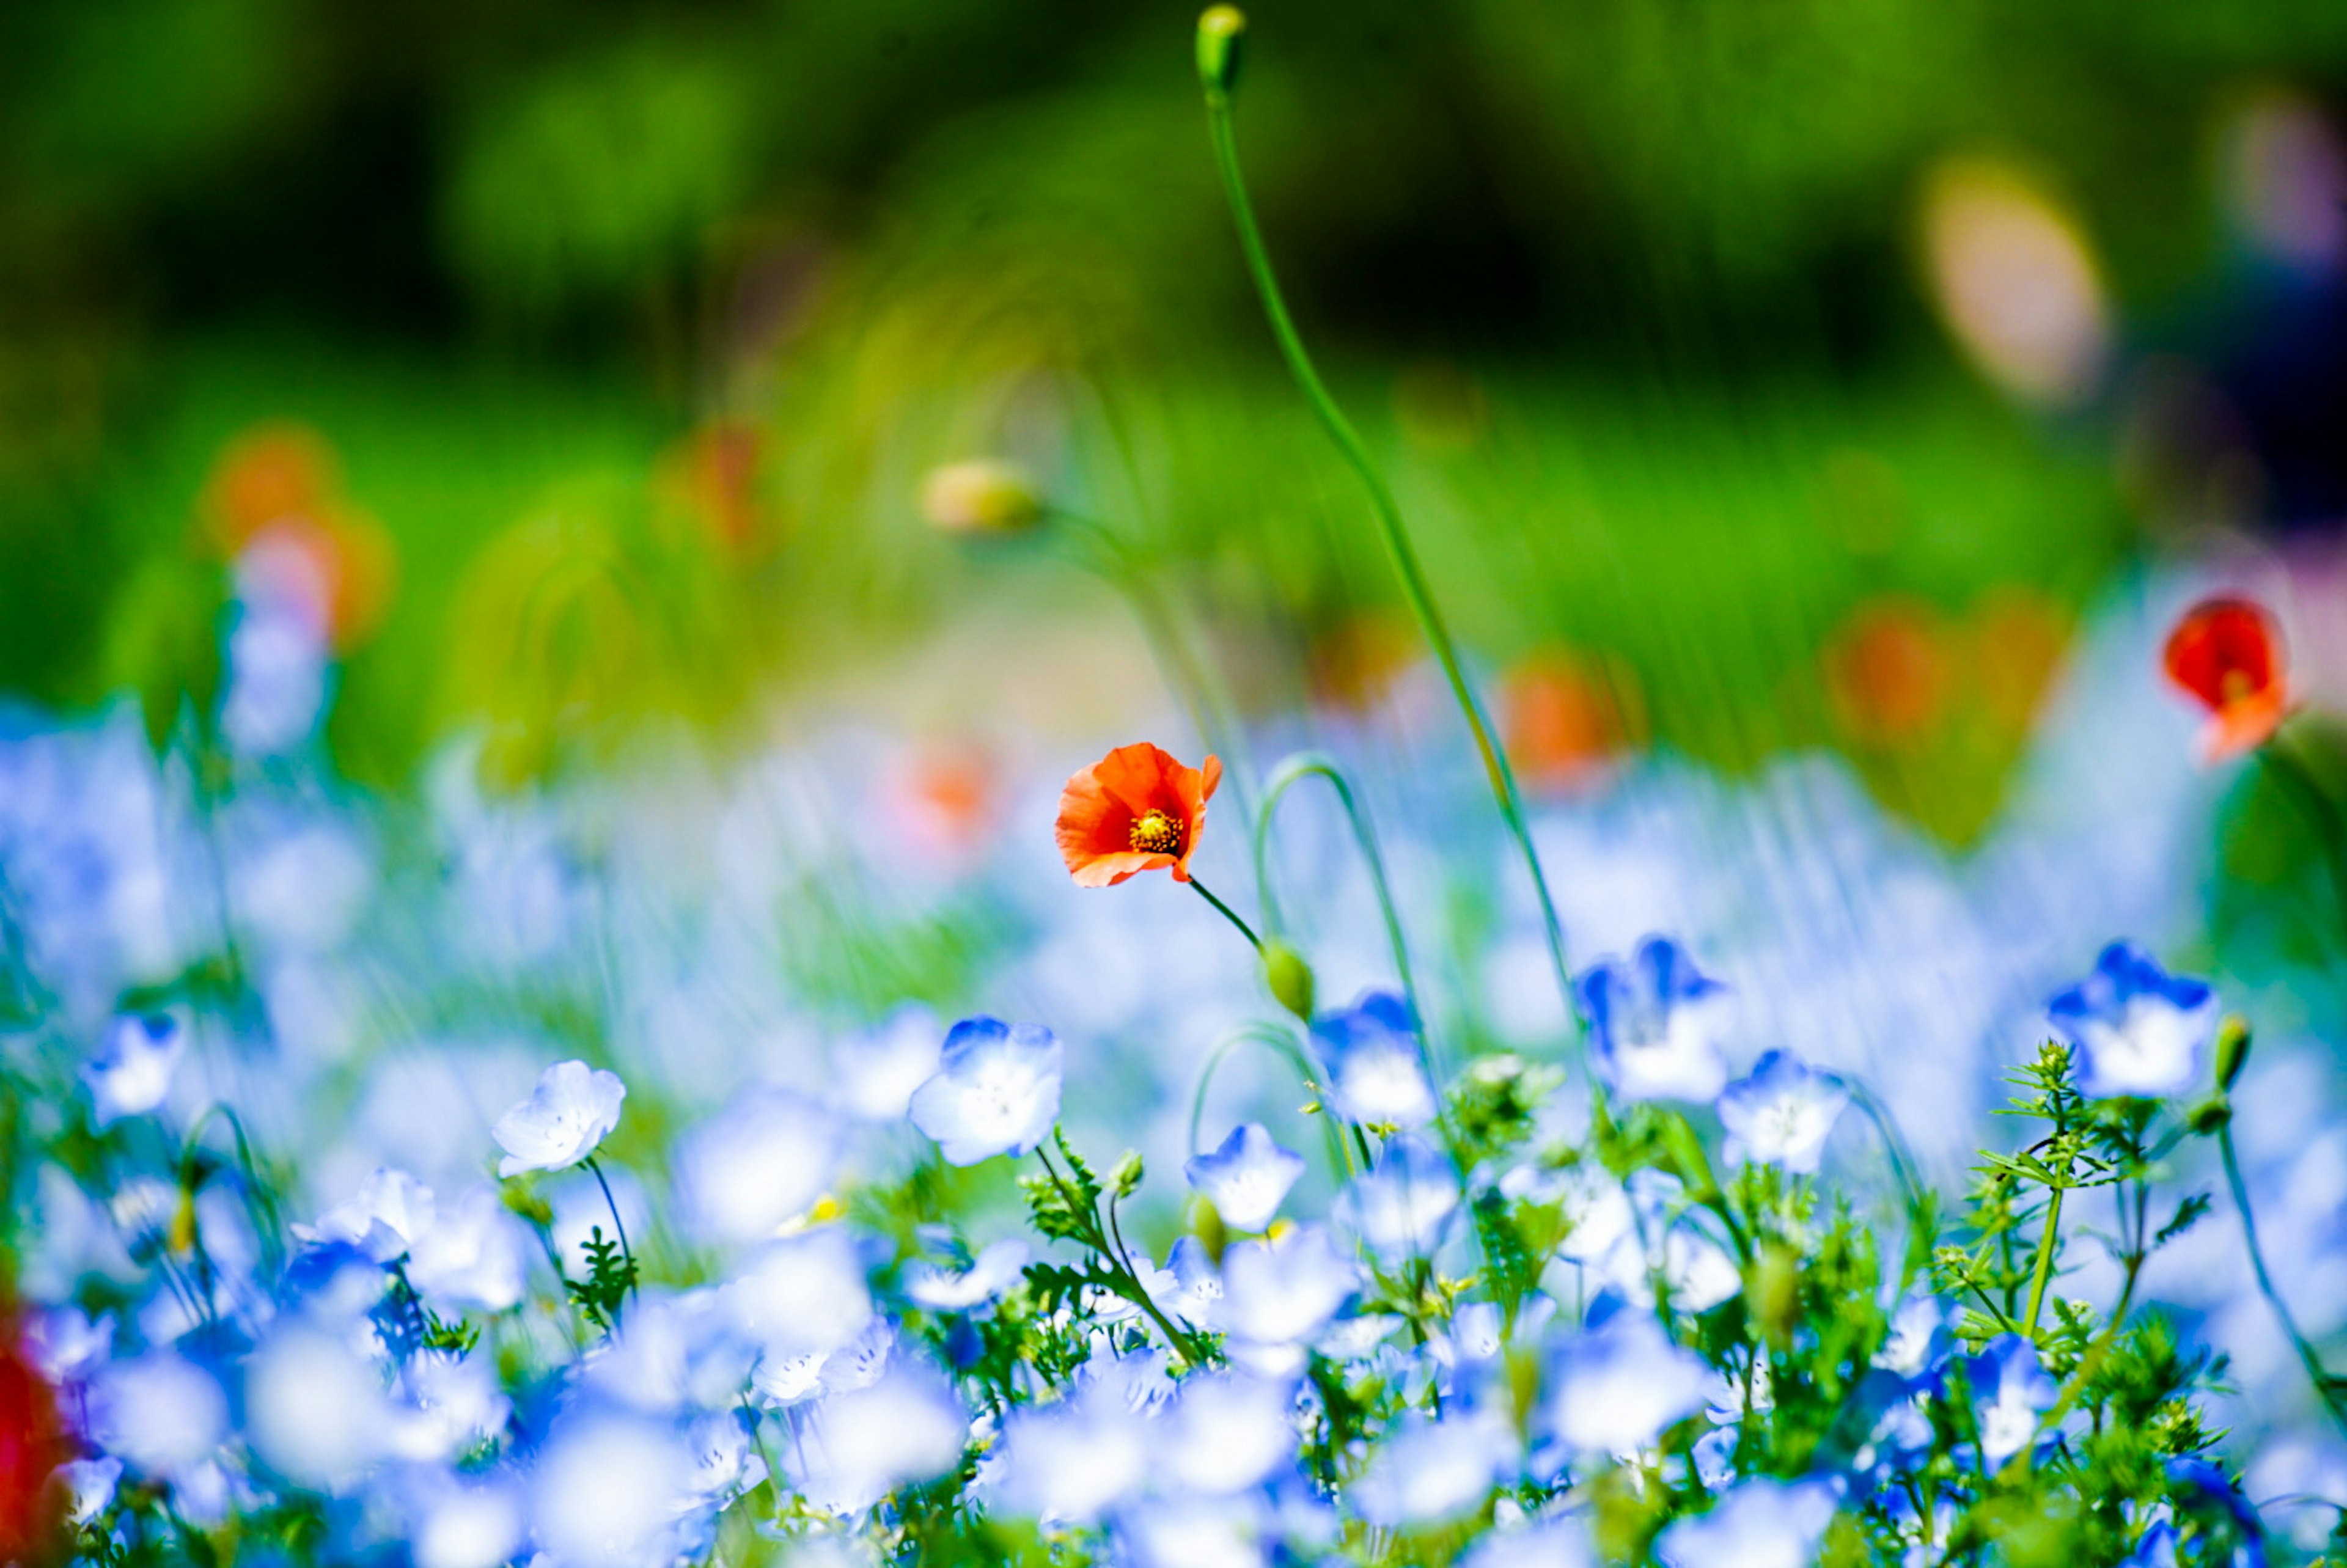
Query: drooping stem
x=1228 y=914
x=2047 y=1244
x=1355 y=453
x=1312 y=764
x=1184 y=1344
x=2315 y=1370
x=1341 y=1167
x=618 y=1224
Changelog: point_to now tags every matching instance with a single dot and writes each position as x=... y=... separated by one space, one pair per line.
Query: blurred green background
x=621 y=335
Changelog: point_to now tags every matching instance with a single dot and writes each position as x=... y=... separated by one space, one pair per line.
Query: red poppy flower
x=2228 y=654
x=32 y=1444
x=1137 y=809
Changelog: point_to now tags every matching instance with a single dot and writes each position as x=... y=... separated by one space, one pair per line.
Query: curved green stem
x=1228 y=914
x=618 y=1224
x=2315 y=1370
x=1414 y=585
x=1340 y=1157
x=1313 y=764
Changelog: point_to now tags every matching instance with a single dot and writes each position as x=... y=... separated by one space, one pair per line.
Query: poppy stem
x=1356 y=453
x=1228 y=914
x=2324 y=1389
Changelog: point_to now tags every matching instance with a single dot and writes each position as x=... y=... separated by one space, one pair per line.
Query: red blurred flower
x=2228 y=654
x=274 y=503
x=1563 y=721
x=32 y=1445
x=1887 y=670
x=1137 y=809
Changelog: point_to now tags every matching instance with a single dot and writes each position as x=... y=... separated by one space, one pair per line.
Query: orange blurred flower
x=2228 y=654
x=274 y=502
x=1887 y=670
x=714 y=475
x=2018 y=636
x=1561 y=721
x=1137 y=809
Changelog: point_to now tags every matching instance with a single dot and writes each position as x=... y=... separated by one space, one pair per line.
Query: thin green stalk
x=2315 y=1370
x=1311 y=764
x=2047 y=1244
x=1184 y=1344
x=1341 y=1167
x=618 y=1224
x=1228 y=914
x=1414 y=585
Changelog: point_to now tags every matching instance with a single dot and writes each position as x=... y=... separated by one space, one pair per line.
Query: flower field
x=1178 y=1099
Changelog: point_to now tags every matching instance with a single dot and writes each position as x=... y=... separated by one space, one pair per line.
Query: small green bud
x=1206 y=1223
x=1124 y=1180
x=2233 y=1050
x=1686 y=1151
x=2210 y=1115
x=1289 y=978
x=1219 y=31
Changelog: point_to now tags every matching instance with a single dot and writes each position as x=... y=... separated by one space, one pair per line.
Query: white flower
x=160 y=1413
x=1758 y=1523
x=572 y=1110
x=453 y=1404
x=1228 y=1432
x=1075 y=1461
x=906 y=1426
x=1781 y=1113
x=89 y=1486
x=1619 y=1385
x=314 y=1409
x=473 y=1256
x=465 y=1526
x=997 y=1091
x=1247 y=1178
x=607 y=1491
x=991 y=1273
x=1282 y=1290
x=725 y=1463
x=804 y=1296
x=1402 y=1207
x=1426 y=1471
x=65 y=1344
x=762 y=1160
x=390 y=1210
x=131 y=1073
x=1183 y=1534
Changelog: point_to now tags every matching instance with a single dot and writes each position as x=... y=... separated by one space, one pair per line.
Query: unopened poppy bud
x=2233 y=1050
x=2211 y=1116
x=983 y=495
x=1290 y=977
x=1219 y=31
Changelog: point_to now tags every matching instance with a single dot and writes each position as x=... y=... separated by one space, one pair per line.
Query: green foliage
x=611 y=1278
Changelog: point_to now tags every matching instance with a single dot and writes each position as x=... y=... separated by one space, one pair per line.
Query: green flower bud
x=2211 y=1116
x=1219 y=31
x=1290 y=977
x=2233 y=1050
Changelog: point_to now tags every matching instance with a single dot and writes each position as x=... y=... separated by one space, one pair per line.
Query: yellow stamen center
x=1155 y=833
x=2234 y=686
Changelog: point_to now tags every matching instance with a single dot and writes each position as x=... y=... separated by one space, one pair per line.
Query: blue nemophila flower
x=1426 y=1470
x=804 y=1296
x=1760 y=1523
x=159 y=1413
x=997 y=1091
x=610 y=1491
x=1284 y=1289
x=460 y=1521
x=1655 y=1024
x=2156 y=1549
x=1919 y=1340
x=1781 y=1113
x=89 y=1486
x=131 y=1073
x=761 y=1161
x=1621 y=1383
x=1184 y=1532
x=1247 y=1178
x=856 y=1447
x=1402 y=1205
x=1073 y=1462
x=314 y=1407
x=2206 y=1496
x=2139 y=1029
x=1228 y=1431
x=2012 y=1389
x=1375 y=1077
x=573 y=1109
x=991 y=1273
